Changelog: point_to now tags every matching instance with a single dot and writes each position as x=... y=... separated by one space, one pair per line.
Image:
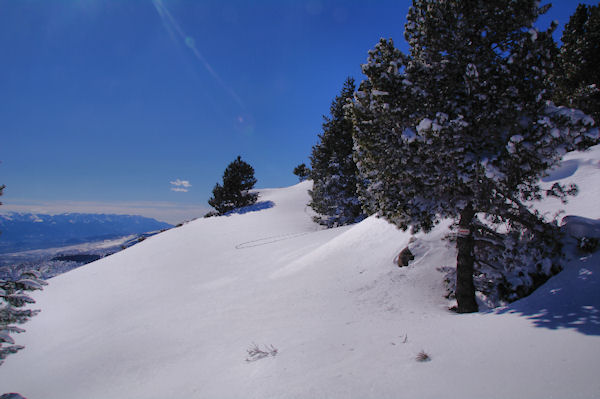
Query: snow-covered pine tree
x=12 y=299
x=238 y=180
x=334 y=195
x=461 y=125
x=577 y=75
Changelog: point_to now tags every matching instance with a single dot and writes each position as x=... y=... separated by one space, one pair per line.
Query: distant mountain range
x=26 y=231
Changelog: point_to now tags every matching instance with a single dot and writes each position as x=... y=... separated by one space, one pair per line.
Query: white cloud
x=183 y=183
x=180 y=186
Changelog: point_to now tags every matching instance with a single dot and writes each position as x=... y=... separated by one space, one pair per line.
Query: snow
x=379 y=92
x=30 y=284
x=583 y=169
x=409 y=135
x=4 y=337
x=517 y=138
x=176 y=315
x=471 y=71
x=424 y=125
x=579 y=227
x=533 y=34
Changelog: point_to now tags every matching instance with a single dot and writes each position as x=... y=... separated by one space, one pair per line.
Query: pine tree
x=577 y=75
x=12 y=299
x=302 y=171
x=334 y=195
x=238 y=180
x=461 y=126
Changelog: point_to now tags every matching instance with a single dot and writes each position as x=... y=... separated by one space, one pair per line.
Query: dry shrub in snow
x=423 y=357
x=255 y=353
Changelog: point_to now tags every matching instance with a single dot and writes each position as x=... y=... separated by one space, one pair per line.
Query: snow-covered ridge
x=173 y=316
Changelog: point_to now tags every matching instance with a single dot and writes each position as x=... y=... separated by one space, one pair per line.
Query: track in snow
x=269 y=240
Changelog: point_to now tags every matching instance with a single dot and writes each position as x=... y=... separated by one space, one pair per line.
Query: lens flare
x=244 y=124
x=190 y=42
x=174 y=29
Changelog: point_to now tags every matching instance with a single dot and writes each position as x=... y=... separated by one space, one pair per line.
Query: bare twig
x=255 y=353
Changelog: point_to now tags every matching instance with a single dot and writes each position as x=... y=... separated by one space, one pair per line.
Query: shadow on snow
x=570 y=300
x=259 y=206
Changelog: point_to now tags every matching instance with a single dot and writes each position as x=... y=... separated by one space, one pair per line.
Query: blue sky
x=138 y=106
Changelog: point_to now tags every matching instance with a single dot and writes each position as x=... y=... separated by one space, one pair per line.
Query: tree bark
x=465 y=288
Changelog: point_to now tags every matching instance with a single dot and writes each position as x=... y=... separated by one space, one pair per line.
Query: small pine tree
x=12 y=299
x=577 y=75
x=334 y=195
x=238 y=180
x=461 y=125
x=302 y=172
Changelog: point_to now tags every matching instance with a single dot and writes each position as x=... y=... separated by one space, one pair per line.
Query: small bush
x=423 y=357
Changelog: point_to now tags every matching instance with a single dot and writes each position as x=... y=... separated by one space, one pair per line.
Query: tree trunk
x=465 y=288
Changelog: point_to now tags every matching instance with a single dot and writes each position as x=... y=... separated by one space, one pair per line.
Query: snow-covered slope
x=583 y=169
x=173 y=316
